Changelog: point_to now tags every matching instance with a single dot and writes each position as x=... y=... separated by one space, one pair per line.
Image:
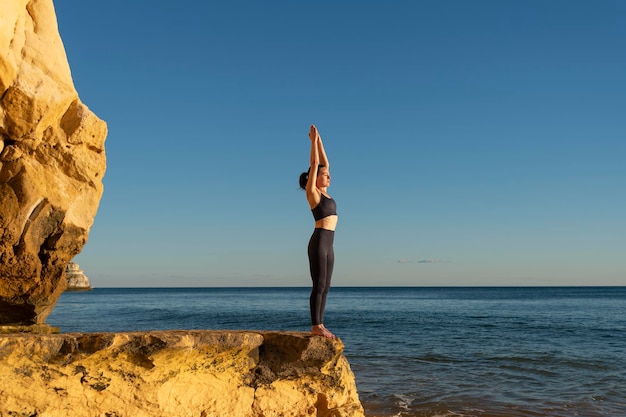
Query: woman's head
x=323 y=177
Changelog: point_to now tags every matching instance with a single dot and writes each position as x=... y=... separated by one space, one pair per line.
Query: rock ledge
x=176 y=373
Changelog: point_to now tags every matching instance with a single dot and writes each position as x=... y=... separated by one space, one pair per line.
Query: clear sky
x=471 y=142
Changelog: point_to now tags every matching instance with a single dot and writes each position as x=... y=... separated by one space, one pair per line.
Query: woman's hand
x=313 y=133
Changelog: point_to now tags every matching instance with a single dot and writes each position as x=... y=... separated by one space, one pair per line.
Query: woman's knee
x=320 y=288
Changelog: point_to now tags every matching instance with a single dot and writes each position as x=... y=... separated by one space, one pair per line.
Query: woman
x=324 y=209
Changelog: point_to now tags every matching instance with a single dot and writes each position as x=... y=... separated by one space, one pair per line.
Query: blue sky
x=471 y=142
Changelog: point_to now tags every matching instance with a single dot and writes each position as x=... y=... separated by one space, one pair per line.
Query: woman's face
x=323 y=178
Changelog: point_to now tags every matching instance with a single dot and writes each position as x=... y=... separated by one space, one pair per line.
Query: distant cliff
x=175 y=374
x=76 y=278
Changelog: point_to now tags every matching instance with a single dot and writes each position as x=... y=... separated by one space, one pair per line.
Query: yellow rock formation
x=176 y=373
x=52 y=160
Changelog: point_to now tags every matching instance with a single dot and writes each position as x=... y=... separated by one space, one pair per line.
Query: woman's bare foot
x=320 y=330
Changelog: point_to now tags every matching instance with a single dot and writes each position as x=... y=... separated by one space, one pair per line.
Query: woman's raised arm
x=323 y=159
x=312 y=193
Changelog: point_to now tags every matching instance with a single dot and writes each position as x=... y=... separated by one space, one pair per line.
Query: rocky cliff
x=176 y=373
x=52 y=162
x=76 y=278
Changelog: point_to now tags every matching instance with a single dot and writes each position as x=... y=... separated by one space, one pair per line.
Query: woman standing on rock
x=321 y=256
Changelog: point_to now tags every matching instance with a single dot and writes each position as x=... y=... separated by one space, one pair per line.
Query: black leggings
x=321 y=262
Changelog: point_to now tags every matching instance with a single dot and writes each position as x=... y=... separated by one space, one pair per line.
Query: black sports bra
x=326 y=207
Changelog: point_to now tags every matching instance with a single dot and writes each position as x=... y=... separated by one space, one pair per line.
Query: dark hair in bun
x=304 y=177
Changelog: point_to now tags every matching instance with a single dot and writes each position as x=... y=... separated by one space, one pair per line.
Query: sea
x=416 y=351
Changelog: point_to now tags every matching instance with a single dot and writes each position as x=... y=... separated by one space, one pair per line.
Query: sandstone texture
x=176 y=373
x=52 y=161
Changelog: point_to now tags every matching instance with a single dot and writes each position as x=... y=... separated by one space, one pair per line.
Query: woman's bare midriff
x=328 y=223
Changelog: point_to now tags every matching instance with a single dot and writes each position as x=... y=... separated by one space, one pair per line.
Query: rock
x=76 y=278
x=176 y=373
x=52 y=161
